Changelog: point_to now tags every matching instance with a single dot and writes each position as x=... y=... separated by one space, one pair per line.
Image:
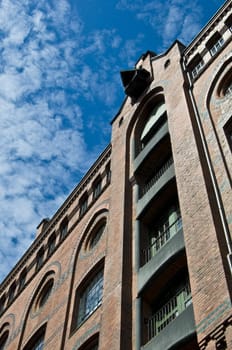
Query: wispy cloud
x=52 y=74
x=172 y=19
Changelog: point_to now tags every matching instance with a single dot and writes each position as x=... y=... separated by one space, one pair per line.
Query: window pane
x=37 y=341
x=38 y=344
x=63 y=230
x=3 y=340
x=156 y=113
x=97 y=190
x=91 y=297
x=96 y=236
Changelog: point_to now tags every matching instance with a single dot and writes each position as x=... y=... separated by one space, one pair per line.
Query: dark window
x=228 y=22
x=83 y=204
x=97 y=187
x=46 y=292
x=108 y=173
x=228 y=132
x=90 y=297
x=22 y=279
x=215 y=43
x=2 y=303
x=11 y=292
x=3 y=340
x=64 y=228
x=39 y=258
x=96 y=235
x=51 y=243
x=90 y=344
x=37 y=340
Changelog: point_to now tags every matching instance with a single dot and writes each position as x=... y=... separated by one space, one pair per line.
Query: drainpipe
x=211 y=172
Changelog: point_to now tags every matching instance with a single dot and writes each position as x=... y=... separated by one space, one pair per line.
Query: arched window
x=88 y=296
x=108 y=173
x=97 y=187
x=11 y=293
x=83 y=203
x=91 y=344
x=64 y=228
x=2 y=303
x=22 y=278
x=155 y=119
x=228 y=132
x=45 y=293
x=51 y=243
x=228 y=89
x=37 y=340
x=3 y=338
x=39 y=258
x=96 y=234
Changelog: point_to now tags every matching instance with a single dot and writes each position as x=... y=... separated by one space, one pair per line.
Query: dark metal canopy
x=135 y=81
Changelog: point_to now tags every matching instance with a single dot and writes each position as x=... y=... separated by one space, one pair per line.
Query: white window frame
x=217 y=46
x=196 y=70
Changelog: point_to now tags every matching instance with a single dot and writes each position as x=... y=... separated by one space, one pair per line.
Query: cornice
x=207 y=29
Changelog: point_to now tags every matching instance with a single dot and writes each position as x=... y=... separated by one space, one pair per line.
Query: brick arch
x=88 y=343
x=86 y=278
x=140 y=116
x=138 y=120
x=98 y=215
x=6 y=328
x=76 y=254
x=53 y=271
x=216 y=87
x=219 y=111
x=48 y=276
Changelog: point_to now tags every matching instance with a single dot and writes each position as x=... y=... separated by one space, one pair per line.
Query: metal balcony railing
x=146 y=187
x=169 y=311
x=161 y=238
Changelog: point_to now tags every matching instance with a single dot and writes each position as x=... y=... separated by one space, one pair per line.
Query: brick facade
x=140 y=254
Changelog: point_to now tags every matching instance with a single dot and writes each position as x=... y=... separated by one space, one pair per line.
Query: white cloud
x=49 y=70
x=171 y=19
x=41 y=137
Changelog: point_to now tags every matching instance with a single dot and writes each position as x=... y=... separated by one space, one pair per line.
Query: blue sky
x=60 y=87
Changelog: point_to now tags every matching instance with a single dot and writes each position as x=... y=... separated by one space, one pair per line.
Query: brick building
x=139 y=256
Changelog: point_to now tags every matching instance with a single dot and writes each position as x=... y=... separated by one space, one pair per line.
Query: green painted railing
x=161 y=238
x=169 y=311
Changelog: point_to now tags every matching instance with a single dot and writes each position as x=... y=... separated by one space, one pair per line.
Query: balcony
x=144 y=151
x=146 y=187
x=172 y=323
x=168 y=312
x=149 y=189
x=161 y=239
x=166 y=248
